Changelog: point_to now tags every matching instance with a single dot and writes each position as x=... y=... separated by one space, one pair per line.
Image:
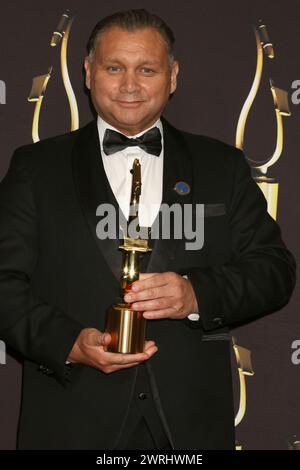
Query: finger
x=159 y=314
x=151 y=351
x=126 y=366
x=115 y=367
x=149 y=348
x=150 y=280
x=148 y=343
x=144 y=276
x=148 y=294
x=122 y=359
x=154 y=304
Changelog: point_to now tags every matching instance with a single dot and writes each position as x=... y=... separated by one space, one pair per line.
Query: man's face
x=130 y=78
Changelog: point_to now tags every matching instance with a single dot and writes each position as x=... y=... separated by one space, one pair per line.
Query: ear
x=87 y=66
x=174 y=73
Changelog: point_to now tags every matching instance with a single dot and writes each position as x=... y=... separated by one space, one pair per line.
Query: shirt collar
x=103 y=125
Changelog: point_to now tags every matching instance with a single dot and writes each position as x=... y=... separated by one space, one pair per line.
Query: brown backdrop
x=216 y=48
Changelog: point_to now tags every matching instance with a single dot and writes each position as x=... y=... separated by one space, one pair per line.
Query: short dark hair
x=132 y=20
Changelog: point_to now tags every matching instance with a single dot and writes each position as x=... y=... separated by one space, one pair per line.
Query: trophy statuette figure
x=126 y=326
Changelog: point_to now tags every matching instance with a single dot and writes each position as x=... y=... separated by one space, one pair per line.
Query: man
x=57 y=277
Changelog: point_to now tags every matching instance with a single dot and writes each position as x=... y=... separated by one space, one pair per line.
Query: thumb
x=105 y=339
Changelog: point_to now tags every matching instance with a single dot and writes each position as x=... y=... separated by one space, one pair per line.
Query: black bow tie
x=150 y=141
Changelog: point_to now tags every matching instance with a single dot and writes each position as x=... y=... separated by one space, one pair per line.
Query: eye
x=147 y=70
x=113 y=68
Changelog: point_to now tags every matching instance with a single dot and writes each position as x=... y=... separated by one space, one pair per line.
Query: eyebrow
x=148 y=62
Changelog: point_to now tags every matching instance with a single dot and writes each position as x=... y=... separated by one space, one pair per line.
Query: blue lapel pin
x=182 y=188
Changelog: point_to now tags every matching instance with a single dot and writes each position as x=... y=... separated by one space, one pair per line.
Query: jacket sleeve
x=260 y=277
x=38 y=331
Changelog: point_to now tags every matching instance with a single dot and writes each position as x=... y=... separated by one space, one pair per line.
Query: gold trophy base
x=127 y=328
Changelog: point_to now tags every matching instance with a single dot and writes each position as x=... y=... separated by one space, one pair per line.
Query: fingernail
x=135 y=288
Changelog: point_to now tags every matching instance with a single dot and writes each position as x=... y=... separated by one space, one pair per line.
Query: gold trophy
x=127 y=327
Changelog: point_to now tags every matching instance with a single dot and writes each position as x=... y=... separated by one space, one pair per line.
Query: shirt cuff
x=192 y=316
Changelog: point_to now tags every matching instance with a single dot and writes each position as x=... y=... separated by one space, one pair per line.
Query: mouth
x=130 y=104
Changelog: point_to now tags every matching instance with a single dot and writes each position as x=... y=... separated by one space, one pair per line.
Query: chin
x=130 y=121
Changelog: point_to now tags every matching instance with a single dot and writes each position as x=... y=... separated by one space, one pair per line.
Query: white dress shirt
x=117 y=167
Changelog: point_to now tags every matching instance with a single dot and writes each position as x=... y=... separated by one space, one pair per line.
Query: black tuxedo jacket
x=57 y=277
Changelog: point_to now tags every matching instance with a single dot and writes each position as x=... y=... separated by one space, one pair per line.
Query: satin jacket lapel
x=91 y=184
x=177 y=167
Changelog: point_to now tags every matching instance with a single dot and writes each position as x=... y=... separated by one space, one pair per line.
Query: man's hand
x=90 y=349
x=163 y=295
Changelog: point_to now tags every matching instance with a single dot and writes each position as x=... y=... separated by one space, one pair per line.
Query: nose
x=129 y=83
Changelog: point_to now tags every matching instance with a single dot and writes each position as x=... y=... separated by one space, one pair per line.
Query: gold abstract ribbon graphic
x=269 y=186
x=39 y=84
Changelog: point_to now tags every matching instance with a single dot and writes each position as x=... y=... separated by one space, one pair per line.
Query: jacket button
x=142 y=396
x=218 y=321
